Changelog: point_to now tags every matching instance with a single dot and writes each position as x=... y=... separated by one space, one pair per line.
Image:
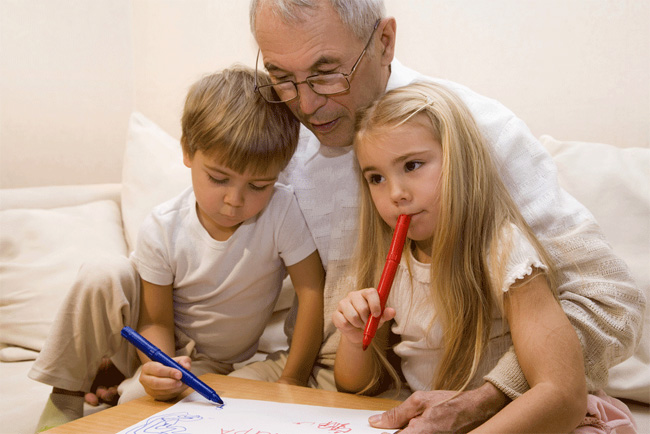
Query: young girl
x=473 y=280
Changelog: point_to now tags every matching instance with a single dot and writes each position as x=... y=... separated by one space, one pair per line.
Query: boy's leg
x=104 y=298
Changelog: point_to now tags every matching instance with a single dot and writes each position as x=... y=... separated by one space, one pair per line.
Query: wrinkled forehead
x=285 y=11
x=315 y=37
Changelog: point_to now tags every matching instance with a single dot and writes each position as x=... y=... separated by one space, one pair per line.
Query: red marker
x=387 y=276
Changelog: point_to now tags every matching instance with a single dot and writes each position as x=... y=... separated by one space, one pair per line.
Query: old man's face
x=320 y=43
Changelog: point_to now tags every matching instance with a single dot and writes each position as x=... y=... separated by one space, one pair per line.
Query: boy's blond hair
x=225 y=118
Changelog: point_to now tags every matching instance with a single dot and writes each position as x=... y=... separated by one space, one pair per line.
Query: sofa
x=91 y=95
x=47 y=232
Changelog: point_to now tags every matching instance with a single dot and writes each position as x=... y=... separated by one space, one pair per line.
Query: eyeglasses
x=323 y=84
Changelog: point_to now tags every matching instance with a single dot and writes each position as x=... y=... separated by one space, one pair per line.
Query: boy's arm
x=308 y=278
x=157 y=325
x=156 y=321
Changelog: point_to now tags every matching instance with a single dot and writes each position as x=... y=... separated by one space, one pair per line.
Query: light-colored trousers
x=104 y=298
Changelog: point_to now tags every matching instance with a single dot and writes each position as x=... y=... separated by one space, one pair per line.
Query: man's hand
x=430 y=412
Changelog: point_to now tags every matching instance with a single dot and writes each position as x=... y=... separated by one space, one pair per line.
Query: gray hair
x=357 y=15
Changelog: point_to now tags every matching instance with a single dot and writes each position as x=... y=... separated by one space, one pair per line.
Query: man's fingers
x=398 y=417
x=91 y=399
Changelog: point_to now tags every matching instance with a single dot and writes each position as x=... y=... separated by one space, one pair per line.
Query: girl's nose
x=399 y=192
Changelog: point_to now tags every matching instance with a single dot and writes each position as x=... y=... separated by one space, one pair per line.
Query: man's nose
x=310 y=101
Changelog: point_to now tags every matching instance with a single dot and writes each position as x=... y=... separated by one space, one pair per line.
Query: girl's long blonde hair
x=474 y=207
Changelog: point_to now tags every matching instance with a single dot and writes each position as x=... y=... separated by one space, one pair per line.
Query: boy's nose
x=234 y=197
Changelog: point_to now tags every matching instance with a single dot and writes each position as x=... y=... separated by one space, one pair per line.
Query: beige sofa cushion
x=152 y=172
x=41 y=251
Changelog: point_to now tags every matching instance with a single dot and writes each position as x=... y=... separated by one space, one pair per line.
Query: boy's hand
x=352 y=313
x=161 y=382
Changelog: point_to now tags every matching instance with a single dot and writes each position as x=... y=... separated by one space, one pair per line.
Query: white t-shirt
x=420 y=348
x=224 y=291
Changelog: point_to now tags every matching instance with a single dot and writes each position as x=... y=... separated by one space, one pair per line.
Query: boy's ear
x=187 y=160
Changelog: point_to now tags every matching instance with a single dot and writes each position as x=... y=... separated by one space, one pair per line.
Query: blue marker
x=154 y=353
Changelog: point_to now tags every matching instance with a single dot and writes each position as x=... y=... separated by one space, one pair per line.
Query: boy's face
x=224 y=197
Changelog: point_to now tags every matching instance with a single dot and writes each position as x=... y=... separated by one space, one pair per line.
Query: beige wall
x=72 y=71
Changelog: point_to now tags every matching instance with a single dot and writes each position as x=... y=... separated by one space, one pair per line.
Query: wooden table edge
x=115 y=419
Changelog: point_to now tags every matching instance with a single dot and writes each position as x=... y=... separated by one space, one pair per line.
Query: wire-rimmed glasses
x=331 y=83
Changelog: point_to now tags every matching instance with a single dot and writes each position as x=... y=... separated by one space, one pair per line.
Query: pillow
x=152 y=172
x=614 y=184
x=41 y=251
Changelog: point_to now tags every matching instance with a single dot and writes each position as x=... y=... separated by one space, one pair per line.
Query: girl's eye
x=375 y=179
x=412 y=165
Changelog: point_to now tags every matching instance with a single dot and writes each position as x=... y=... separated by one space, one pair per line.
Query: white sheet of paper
x=196 y=415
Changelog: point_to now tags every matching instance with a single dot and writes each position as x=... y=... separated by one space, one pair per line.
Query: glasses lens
x=280 y=92
x=328 y=84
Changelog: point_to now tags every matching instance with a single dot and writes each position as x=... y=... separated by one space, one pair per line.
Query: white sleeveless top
x=421 y=348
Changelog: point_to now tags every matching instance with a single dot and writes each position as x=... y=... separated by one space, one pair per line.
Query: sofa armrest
x=58 y=196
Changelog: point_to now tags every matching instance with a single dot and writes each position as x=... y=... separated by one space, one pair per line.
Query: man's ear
x=388 y=28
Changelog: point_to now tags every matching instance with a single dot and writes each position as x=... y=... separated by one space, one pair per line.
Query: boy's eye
x=412 y=165
x=216 y=180
x=374 y=179
x=259 y=187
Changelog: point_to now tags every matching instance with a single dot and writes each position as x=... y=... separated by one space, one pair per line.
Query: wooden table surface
x=115 y=419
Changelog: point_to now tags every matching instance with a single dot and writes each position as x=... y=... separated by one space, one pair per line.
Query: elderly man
x=329 y=58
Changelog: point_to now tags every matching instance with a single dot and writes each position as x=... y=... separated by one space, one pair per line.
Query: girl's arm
x=308 y=278
x=550 y=356
x=354 y=369
x=156 y=324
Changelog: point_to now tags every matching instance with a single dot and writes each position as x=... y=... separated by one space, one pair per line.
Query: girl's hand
x=162 y=382
x=353 y=311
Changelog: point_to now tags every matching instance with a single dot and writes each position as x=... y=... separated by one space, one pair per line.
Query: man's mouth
x=324 y=128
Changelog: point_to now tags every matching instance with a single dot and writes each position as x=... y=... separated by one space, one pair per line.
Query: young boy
x=212 y=260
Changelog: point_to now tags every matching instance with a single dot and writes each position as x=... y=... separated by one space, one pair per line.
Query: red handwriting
x=244 y=431
x=333 y=427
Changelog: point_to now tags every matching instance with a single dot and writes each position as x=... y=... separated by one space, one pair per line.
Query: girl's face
x=226 y=198
x=402 y=167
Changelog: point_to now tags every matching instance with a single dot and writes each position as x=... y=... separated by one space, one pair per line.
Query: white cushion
x=41 y=251
x=614 y=184
x=152 y=172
